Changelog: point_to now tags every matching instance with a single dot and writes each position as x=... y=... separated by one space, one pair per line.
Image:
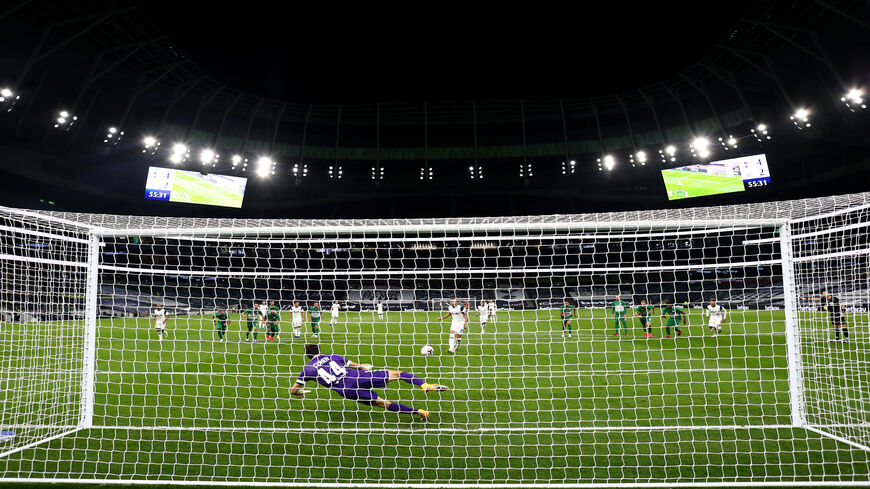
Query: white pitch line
x=467 y=371
x=423 y=428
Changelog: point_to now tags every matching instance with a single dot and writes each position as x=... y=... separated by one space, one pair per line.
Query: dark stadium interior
x=395 y=93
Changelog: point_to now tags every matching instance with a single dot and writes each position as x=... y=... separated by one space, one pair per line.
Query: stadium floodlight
x=854 y=99
x=236 y=159
x=176 y=158
x=206 y=156
x=5 y=93
x=179 y=148
x=801 y=118
x=641 y=157
x=700 y=147
x=150 y=141
x=264 y=166
x=113 y=136
x=64 y=119
x=608 y=162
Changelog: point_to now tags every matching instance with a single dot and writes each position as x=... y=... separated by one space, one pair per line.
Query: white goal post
x=780 y=395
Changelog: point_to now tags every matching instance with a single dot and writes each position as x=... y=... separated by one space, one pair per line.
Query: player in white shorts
x=483 y=310
x=262 y=309
x=492 y=309
x=159 y=314
x=333 y=313
x=296 y=317
x=458 y=322
x=380 y=308
x=717 y=314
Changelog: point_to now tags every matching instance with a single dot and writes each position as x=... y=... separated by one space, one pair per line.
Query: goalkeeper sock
x=452 y=342
x=668 y=331
x=411 y=378
x=401 y=408
x=845 y=333
x=255 y=335
x=837 y=333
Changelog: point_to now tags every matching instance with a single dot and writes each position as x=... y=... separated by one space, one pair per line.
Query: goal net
x=603 y=366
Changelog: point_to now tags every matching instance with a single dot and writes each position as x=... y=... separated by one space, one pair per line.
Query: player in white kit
x=380 y=308
x=296 y=317
x=333 y=313
x=262 y=309
x=492 y=309
x=159 y=315
x=458 y=322
x=483 y=309
x=717 y=314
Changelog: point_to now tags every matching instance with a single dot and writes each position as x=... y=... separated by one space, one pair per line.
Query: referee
x=836 y=312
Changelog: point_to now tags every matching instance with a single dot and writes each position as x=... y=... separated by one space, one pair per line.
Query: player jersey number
x=338 y=373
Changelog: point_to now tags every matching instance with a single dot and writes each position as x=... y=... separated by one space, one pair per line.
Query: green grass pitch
x=685 y=184
x=526 y=405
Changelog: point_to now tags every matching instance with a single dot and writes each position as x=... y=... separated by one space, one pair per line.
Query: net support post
x=90 y=333
x=797 y=403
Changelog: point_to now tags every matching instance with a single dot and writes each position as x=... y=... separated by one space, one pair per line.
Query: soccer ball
x=427 y=350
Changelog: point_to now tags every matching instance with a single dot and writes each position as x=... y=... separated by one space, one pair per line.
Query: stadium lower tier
x=527 y=403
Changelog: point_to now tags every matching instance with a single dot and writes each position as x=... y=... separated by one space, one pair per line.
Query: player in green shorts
x=315 y=314
x=567 y=312
x=643 y=313
x=252 y=317
x=675 y=316
x=273 y=317
x=618 y=307
x=221 y=320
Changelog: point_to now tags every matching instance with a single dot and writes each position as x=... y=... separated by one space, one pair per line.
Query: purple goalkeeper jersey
x=331 y=371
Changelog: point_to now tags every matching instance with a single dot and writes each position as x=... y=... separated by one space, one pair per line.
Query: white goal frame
x=96 y=234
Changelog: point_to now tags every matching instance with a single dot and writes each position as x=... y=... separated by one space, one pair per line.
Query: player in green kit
x=221 y=320
x=643 y=313
x=252 y=317
x=273 y=317
x=567 y=312
x=315 y=313
x=675 y=316
x=618 y=307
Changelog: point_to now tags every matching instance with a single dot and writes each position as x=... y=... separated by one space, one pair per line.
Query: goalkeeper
x=617 y=308
x=355 y=381
x=675 y=316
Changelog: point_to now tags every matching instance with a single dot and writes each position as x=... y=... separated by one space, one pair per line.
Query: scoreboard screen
x=717 y=177
x=191 y=187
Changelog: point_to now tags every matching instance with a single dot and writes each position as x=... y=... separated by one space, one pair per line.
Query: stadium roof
x=453 y=91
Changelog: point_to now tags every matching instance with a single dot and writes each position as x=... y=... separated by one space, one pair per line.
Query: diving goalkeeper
x=355 y=381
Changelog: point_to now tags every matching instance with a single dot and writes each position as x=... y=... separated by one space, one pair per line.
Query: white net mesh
x=573 y=381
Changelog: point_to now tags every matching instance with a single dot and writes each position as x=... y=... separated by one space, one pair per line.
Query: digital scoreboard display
x=717 y=177
x=191 y=187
